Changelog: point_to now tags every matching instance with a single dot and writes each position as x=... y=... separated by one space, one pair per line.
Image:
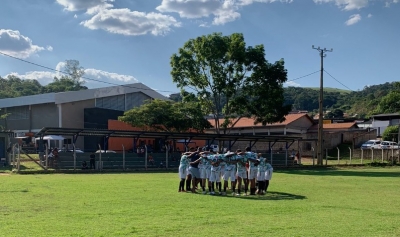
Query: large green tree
x=166 y=116
x=71 y=80
x=230 y=80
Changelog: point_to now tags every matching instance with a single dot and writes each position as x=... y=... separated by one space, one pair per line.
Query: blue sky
x=125 y=41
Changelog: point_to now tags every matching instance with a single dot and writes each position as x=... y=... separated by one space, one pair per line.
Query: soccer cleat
x=223 y=193
x=204 y=192
x=238 y=194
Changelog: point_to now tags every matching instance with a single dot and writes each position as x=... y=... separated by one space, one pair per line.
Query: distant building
x=381 y=121
x=74 y=109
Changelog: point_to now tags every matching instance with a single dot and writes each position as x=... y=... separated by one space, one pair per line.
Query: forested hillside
x=361 y=104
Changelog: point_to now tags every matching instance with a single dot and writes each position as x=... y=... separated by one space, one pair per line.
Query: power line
x=337 y=80
x=110 y=83
x=304 y=76
x=87 y=78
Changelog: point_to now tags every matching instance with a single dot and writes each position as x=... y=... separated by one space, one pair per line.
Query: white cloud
x=108 y=76
x=248 y=2
x=353 y=19
x=98 y=76
x=369 y=15
x=49 y=48
x=388 y=3
x=17 y=45
x=223 y=10
x=127 y=22
x=75 y=16
x=347 y=4
x=292 y=83
x=85 y=5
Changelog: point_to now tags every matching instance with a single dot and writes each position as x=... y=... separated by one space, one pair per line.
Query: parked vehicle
x=389 y=145
x=105 y=151
x=371 y=144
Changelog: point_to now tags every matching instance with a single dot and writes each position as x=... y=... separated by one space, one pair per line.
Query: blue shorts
x=194 y=172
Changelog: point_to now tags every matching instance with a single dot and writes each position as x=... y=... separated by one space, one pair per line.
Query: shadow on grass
x=15 y=191
x=342 y=172
x=268 y=196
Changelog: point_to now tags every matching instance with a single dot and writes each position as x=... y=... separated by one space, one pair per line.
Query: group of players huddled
x=240 y=167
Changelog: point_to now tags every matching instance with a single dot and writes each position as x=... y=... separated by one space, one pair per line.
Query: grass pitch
x=349 y=202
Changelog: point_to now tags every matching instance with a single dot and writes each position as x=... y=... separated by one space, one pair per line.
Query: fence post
x=271 y=154
x=13 y=156
x=372 y=155
x=382 y=154
x=338 y=155
x=392 y=155
x=19 y=159
x=166 y=155
x=313 y=156
x=350 y=154
x=286 y=156
x=123 y=157
x=47 y=156
x=73 y=146
x=145 y=157
x=362 y=155
x=100 y=166
x=326 y=156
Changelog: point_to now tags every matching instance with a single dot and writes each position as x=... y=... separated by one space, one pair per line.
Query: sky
x=126 y=41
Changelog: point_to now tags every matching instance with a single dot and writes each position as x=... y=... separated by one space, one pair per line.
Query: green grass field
x=347 y=202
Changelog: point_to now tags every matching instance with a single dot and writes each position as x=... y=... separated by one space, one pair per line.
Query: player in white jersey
x=268 y=174
x=241 y=173
x=215 y=177
x=252 y=175
x=204 y=166
x=230 y=171
x=261 y=168
x=183 y=164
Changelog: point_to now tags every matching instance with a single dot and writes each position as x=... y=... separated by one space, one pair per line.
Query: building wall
x=44 y=115
x=32 y=118
x=72 y=116
x=301 y=124
x=73 y=113
x=380 y=126
x=115 y=143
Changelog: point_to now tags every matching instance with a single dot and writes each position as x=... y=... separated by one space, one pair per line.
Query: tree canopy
x=391 y=133
x=12 y=86
x=70 y=81
x=166 y=116
x=230 y=80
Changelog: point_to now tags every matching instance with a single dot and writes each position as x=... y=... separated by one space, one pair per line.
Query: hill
x=330 y=89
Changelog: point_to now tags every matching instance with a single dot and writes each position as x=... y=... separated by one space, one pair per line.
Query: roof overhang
x=163 y=135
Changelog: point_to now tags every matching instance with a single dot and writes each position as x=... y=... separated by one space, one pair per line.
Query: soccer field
x=348 y=202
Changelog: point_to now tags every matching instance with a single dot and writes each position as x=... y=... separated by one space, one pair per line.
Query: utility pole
x=320 y=148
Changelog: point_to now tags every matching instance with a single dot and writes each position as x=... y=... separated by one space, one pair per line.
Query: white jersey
x=184 y=162
x=262 y=164
x=241 y=159
x=204 y=162
x=215 y=163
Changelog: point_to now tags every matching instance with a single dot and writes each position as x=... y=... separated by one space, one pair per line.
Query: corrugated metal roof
x=28 y=100
x=73 y=96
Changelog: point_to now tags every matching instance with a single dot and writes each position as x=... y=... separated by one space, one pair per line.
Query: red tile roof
x=249 y=122
x=335 y=126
